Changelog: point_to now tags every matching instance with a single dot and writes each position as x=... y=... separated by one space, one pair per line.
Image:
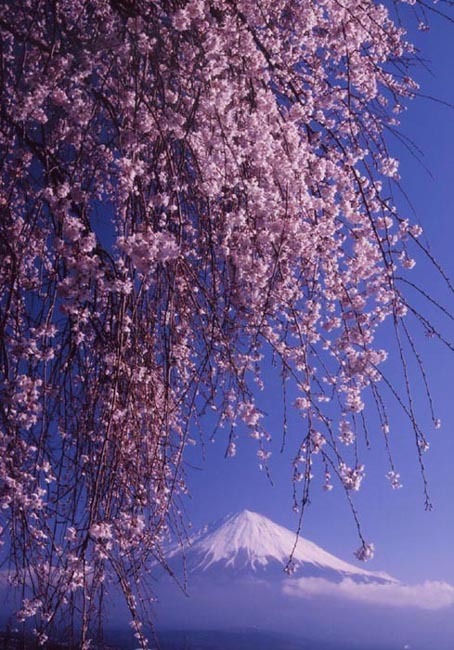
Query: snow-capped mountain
x=249 y=543
x=230 y=575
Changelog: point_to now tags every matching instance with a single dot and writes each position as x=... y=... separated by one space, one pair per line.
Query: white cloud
x=428 y=595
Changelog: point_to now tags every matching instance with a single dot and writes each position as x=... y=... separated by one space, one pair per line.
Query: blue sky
x=412 y=544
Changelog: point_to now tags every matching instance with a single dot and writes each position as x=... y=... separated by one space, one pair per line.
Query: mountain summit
x=247 y=542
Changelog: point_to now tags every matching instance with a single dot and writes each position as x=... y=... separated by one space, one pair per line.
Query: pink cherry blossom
x=186 y=190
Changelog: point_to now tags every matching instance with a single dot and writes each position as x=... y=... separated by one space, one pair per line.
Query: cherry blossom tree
x=187 y=187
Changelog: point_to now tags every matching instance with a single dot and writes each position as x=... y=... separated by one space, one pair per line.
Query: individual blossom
x=351 y=477
x=347 y=436
x=365 y=552
x=394 y=478
x=317 y=441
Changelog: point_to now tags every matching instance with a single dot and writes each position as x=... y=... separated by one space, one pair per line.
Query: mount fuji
x=249 y=544
x=231 y=576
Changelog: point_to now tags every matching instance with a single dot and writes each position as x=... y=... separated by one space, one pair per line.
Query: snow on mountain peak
x=252 y=540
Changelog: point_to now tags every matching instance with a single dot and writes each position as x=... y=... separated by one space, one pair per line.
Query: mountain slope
x=247 y=542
